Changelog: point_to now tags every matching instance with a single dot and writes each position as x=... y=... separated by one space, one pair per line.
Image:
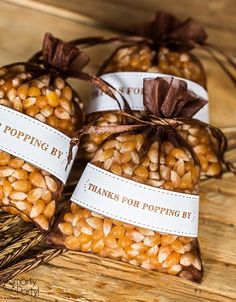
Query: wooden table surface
x=86 y=278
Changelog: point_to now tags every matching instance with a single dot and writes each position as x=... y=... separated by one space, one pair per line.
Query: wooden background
x=78 y=277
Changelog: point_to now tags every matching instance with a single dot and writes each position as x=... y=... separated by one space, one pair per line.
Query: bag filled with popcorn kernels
x=39 y=113
x=137 y=200
x=169 y=52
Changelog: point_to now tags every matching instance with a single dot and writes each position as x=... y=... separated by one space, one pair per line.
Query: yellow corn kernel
x=22 y=91
x=53 y=121
x=32 y=110
x=67 y=93
x=22 y=185
x=116 y=168
x=53 y=99
x=141 y=172
x=37 y=180
x=34 y=91
x=41 y=102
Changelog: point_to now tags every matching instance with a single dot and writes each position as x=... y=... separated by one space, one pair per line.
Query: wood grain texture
x=87 y=278
x=223 y=10
x=77 y=277
x=217 y=15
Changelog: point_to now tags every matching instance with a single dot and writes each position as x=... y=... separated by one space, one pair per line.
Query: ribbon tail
x=36 y=58
x=74 y=142
x=230 y=167
x=221 y=64
x=92 y=41
x=223 y=53
x=106 y=88
x=97 y=82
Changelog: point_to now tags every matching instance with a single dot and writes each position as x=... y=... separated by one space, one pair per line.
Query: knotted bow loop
x=62 y=56
x=188 y=33
x=66 y=60
x=170 y=98
x=167 y=30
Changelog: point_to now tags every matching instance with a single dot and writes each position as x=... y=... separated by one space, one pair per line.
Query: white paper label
x=130 y=85
x=35 y=142
x=138 y=204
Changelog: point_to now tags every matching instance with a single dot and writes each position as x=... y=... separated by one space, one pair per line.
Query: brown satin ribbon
x=62 y=56
x=169 y=104
x=170 y=98
x=167 y=30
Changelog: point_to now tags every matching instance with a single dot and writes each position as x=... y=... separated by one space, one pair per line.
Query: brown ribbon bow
x=169 y=104
x=62 y=56
x=64 y=59
x=170 y=98
x=167 y=30
x=59 y=57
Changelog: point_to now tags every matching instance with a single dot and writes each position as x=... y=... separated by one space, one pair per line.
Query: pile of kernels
x=33 y=192
x=87 y=231
x=142 y=58
x=130 y=58
x=202 y=144
x=163 y=166
x=91 y=142
x=197 y=137
x=51 y=104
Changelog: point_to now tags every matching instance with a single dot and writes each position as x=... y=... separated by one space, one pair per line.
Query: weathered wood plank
x=217 y=241
x=218 y=194
x=223 y=10
x=86 y=278
x=23 y=37
x=77 y=277
x=211 y=204
x=130 y=12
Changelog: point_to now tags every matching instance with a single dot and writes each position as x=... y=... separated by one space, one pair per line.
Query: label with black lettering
x=35 y=142
x=141 y=205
